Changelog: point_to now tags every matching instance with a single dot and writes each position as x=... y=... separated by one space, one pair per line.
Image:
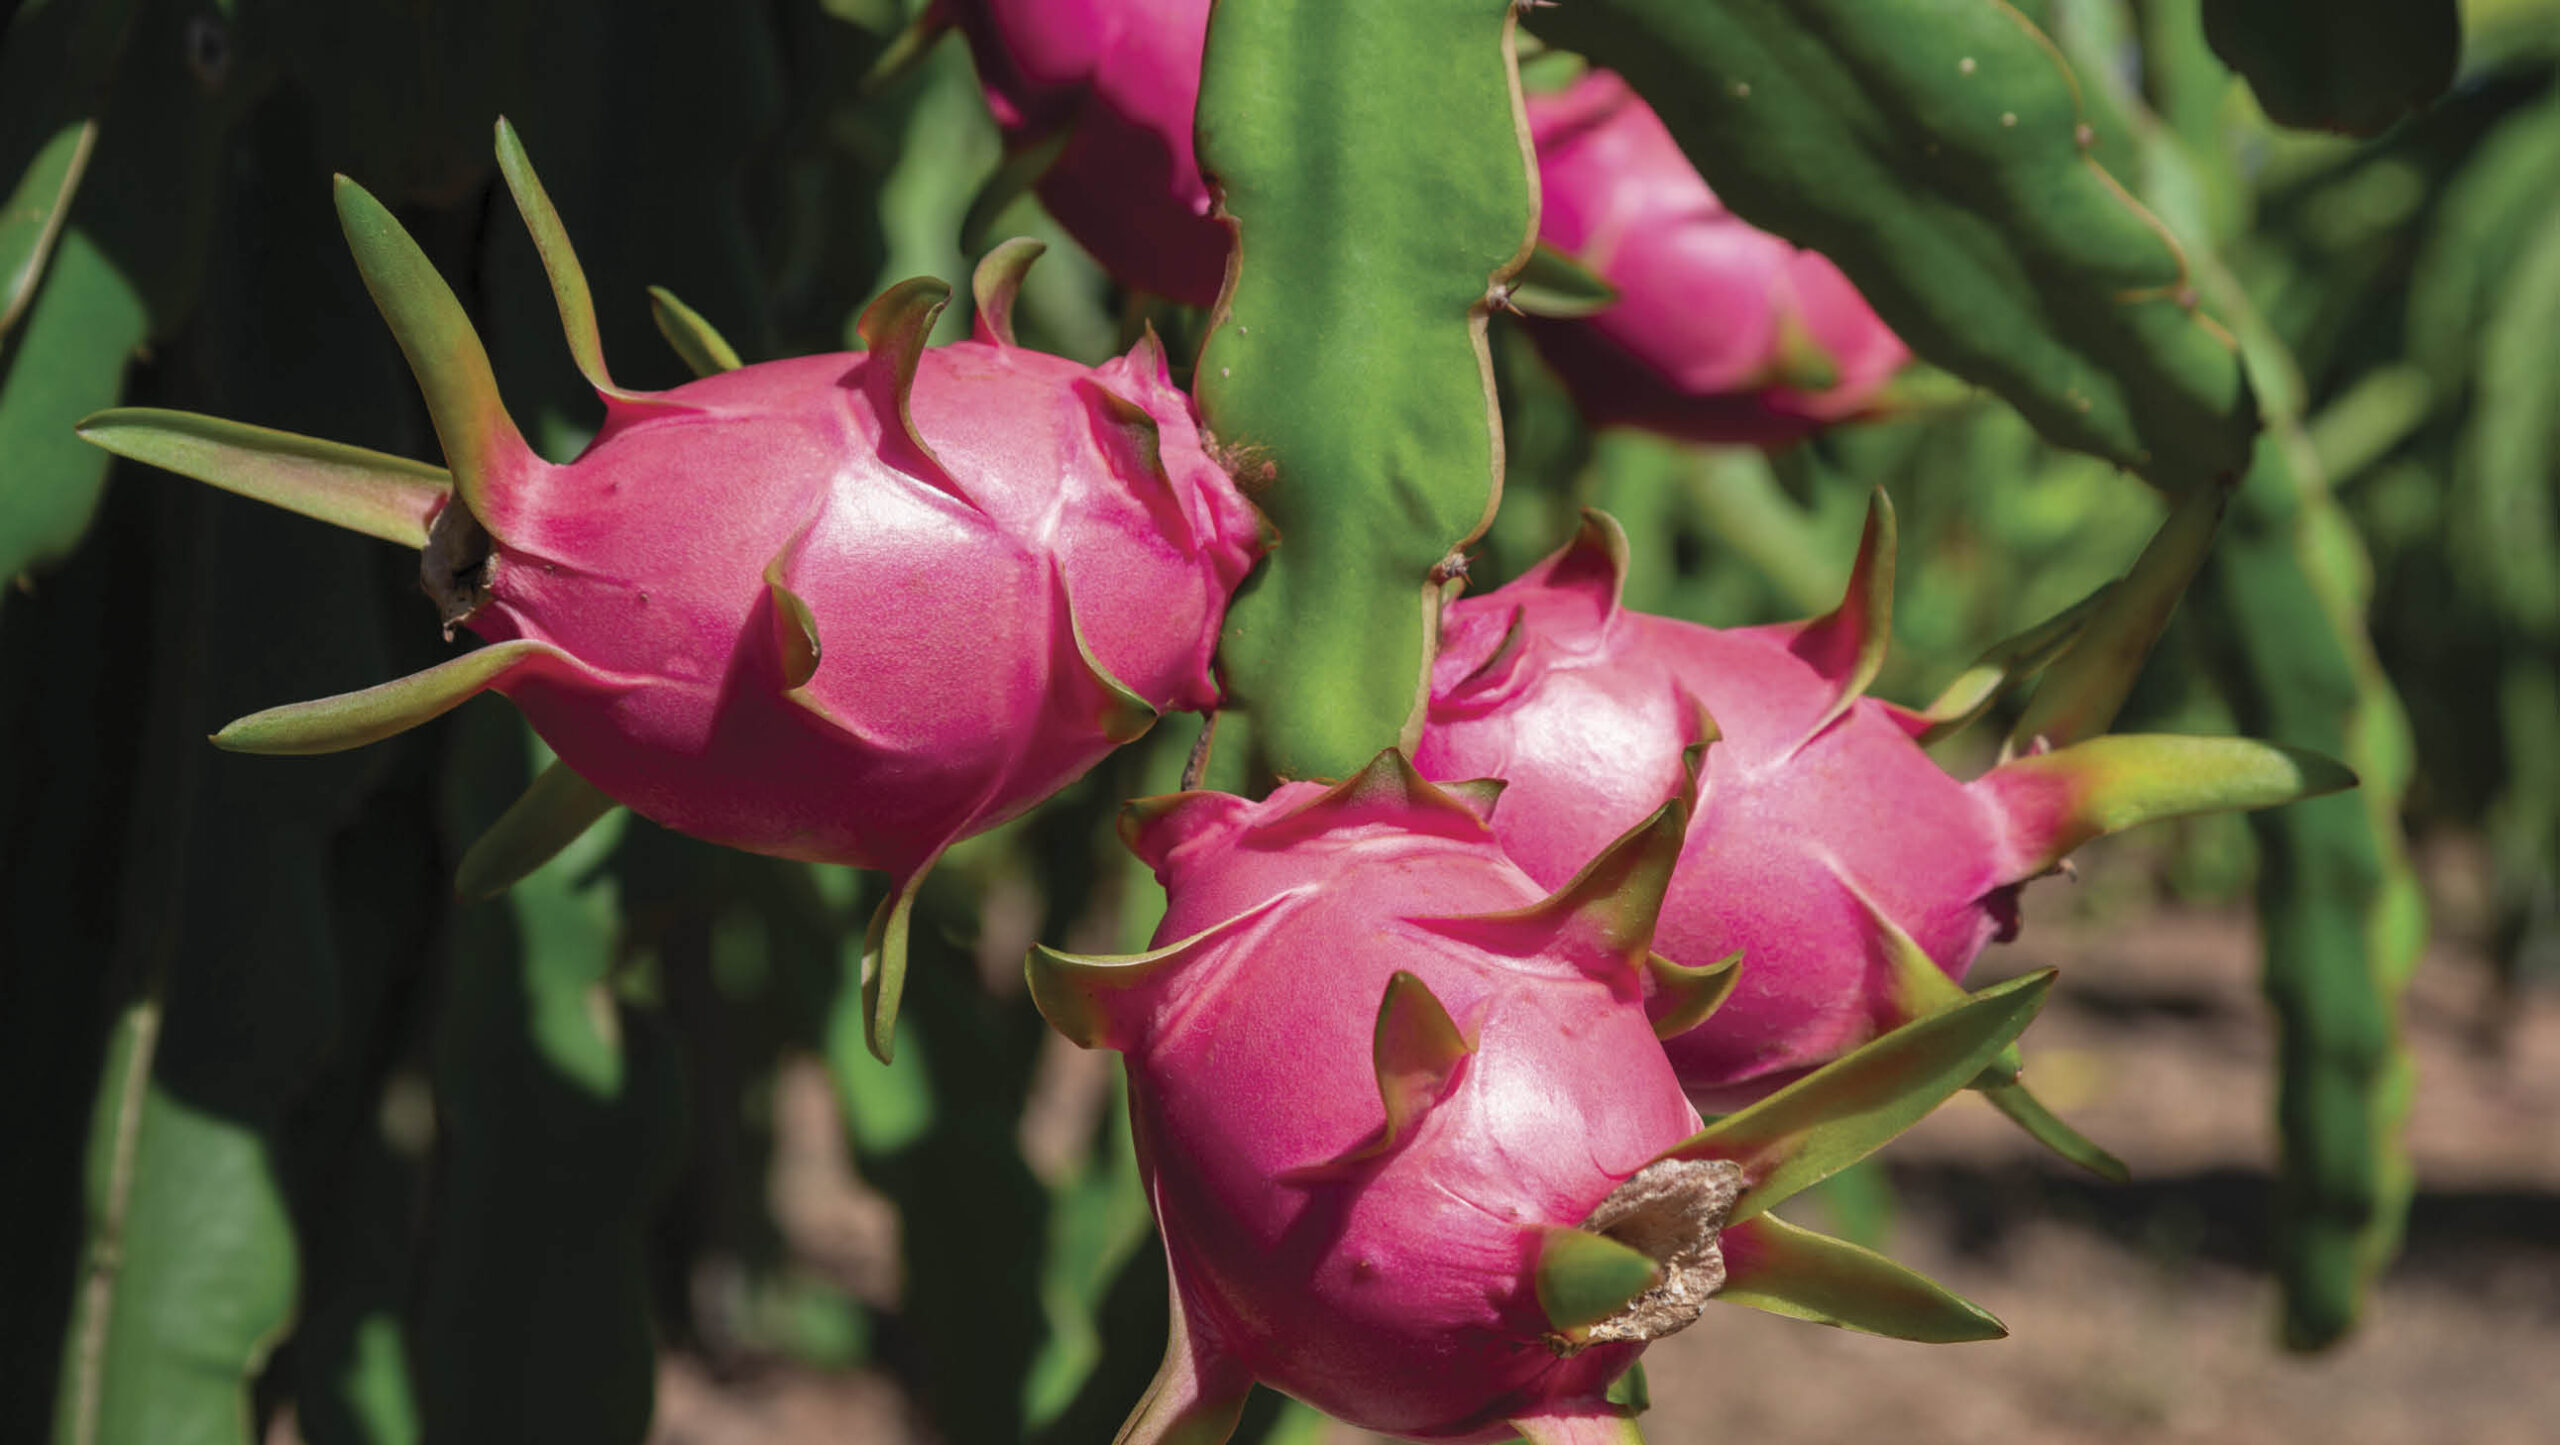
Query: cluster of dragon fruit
x=1454 y=1082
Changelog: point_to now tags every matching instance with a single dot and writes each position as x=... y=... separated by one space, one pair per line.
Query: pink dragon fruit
x=1855 y=878
x=1110 y=85
x=846 y=608
x=1721 y=332
x=1463 y=1220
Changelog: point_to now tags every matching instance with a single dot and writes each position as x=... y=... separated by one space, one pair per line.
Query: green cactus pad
x=371 y=492
x=1373 y=162
x=32 y=215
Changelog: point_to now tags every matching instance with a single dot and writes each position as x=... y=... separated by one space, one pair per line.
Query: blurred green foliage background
x=287 y=1125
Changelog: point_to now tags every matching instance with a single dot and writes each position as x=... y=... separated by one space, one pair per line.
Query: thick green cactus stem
x=481 y=444
x=1772 y=1265
x=554 y=812
x=995 y=284
x=704 y=350
x=1848 y=1108
x=1374 y=166
x=2082 y=693
x=2343 y=917
x=560 y=264
x=353 y=719
x=380 y=495
x=1938 y=153
x=2354 y=66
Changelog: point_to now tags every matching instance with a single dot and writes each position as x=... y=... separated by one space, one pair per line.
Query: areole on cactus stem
x=847 y=608
x=1857 y=879
x=1414 y=1151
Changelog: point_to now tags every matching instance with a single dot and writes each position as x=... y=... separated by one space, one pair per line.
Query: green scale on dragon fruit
x=847 y=608
x=1855 y=878
x=1414 y=1151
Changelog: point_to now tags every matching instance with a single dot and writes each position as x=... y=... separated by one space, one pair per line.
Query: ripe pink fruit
x=1851 y=874
x=846 y=608
x=1722 y=332
x=1463 y=1220
x=1113 y=84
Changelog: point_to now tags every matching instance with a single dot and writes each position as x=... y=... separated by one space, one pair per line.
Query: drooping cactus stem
x=482 y=447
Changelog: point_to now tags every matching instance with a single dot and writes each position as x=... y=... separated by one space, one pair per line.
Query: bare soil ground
x=2139 y=1313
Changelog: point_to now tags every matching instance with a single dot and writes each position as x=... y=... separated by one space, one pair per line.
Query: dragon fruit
x=1416 y=1156
x=1855 y=879
x=846 y=608
x=1721 y=332
x=1103 y=91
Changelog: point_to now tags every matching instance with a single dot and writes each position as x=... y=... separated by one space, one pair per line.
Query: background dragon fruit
x=1721 y=332
x=846 y=608
x=1104 y=90
x=1463 y=1222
